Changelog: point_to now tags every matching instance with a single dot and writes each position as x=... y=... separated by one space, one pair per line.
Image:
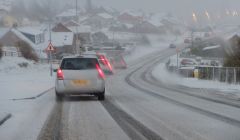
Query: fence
x=222 y=74
x=12 y=53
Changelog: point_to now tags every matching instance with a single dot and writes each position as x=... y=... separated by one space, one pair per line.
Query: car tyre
x=59 y=97
x=101 y=96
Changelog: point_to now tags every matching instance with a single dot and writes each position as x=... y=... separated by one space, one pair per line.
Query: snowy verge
x=160 y=73
x=27 y=94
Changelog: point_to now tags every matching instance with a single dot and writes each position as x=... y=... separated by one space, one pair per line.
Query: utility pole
x=192 y=39
x=50 y=52
x=77 y=49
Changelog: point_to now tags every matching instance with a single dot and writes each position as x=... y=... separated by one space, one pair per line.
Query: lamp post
x=77 y=43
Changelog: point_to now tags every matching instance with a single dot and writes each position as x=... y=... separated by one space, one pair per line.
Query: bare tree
x=1 y=51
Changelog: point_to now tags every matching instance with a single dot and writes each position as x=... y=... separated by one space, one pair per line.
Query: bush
x=27 y=51
x=1 y=51
x=23 y=65
x=232 y=58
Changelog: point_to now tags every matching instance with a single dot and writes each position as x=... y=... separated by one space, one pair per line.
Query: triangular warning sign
x=50 y=47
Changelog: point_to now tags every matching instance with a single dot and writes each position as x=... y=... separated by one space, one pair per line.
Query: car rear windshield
x=79 y=63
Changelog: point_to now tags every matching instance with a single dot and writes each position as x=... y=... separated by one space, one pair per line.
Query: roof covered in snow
x=80 y=29
x=133 y=13
x=211 y=47
x=69 y=13
x=105 y=15
x=30 y=30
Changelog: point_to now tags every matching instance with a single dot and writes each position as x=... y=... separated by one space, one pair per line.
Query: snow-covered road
x=139 y=105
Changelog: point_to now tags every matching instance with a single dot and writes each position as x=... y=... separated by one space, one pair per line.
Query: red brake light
x=100 y=72
x=60 y=74
x=103 y=59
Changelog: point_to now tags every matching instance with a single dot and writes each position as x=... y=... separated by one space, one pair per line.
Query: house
x=39 y=40
x=14 y=35
x=75 y=27
x=146 y=27
x=130 y=17
x=99 y=21
x=63 y=43
x=83 y=37
x=69 y=14
x=60 y=28
x=35 y=35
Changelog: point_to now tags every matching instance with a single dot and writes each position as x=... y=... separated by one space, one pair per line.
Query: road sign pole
x=51 y=70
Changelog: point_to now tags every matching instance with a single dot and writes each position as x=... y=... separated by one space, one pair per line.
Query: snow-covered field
x=20 y=88
x=163 y=75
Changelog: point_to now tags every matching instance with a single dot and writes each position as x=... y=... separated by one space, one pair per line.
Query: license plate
x=80 y=82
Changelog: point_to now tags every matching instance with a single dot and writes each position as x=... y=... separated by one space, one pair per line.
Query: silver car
x=79 y=75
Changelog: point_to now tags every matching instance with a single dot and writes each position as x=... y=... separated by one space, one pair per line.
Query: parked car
x=187 y=40
x=105 y=63
x=188 y=62
x=198 y=39
x=79 y=75
x=118 y=62
x=172 y=46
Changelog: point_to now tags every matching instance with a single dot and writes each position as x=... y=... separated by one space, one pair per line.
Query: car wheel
x=101 y=96
x=59 y=97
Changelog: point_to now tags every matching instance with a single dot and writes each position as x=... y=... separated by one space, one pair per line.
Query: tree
x=27 y=51
x=232 y=58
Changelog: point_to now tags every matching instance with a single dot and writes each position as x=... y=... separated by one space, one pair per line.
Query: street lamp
x=194 y=17
x=207 y=14
x=77 y=49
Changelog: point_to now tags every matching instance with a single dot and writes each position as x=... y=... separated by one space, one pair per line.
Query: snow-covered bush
x=23 y=65
x=27 y=51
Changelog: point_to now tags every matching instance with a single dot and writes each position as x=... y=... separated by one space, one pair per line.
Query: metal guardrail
x=222 y=74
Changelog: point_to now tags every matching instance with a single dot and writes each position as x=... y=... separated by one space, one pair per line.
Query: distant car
x=79 y=75
x=105 y=63
x=206 y=34
x=118 y=62
x=188 y=62
x=198 y=39
x=172 y=46
x=187 y=40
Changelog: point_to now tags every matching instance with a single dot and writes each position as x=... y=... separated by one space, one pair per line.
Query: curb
x=7 y=117
x=34 y=97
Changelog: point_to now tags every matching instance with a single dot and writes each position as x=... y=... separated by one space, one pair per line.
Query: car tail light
x=60 y=74
x=100 y=72
x=104 y=60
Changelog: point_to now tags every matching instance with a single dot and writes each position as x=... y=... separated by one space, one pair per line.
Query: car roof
x=82 y=56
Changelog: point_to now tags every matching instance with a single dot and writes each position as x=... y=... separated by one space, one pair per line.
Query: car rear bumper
x=96 y=89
